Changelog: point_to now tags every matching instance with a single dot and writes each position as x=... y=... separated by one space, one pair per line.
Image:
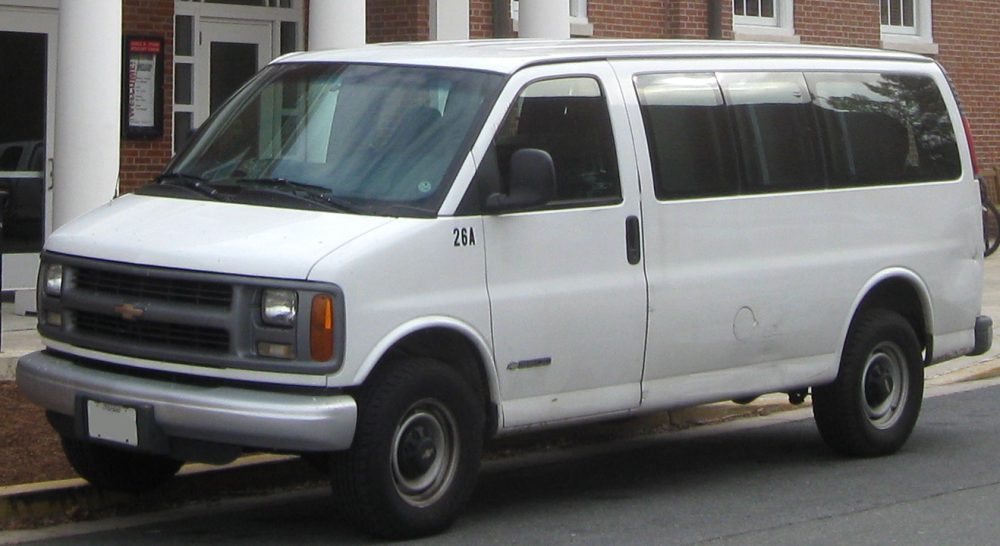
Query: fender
x=891 y=273
x=387 y=342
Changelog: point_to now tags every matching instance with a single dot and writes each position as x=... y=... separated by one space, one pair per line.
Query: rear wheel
x=991 y=228
x=873 y=405
x=416 y=452
x=118 y=469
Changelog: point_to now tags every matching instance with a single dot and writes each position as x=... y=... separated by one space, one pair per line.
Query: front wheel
x=416 y=452
x=872 y=407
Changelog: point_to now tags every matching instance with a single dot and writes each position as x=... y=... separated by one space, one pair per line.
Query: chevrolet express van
x=379 y=258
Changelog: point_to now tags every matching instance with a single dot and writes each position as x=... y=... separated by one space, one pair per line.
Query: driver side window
x=569 y=119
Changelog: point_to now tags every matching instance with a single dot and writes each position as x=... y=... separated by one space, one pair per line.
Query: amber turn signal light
x=321 y=328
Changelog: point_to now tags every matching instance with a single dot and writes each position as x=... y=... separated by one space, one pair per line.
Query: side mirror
x=532 y=182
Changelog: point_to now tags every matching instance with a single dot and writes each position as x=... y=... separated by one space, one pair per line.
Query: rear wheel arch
x=902 y=292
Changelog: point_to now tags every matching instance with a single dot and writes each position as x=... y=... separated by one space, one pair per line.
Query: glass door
x=227 y=54
x=27 y=98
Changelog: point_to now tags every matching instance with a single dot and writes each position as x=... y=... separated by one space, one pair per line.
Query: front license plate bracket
x=109 y=421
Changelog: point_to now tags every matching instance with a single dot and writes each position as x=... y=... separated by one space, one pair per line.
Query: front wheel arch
x=450 y=342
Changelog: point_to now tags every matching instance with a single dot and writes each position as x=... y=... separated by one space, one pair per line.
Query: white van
x=382 y=257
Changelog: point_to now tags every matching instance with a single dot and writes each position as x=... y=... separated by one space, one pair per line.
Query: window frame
x=916 y=39
x=579 y=25
x=780 y=27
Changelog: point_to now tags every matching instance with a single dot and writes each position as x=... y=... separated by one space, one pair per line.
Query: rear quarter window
x=884 y=129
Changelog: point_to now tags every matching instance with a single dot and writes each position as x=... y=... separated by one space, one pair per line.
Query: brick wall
x=628 y=18
x=481 y=19
x=141 y=160
x=965 y=31
x=845 y=22
x=397 y=20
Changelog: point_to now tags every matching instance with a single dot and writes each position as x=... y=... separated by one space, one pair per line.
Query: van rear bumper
x=984 y=335
x=221 y=413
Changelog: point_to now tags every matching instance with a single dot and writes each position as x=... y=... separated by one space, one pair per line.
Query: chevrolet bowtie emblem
x=127 y=311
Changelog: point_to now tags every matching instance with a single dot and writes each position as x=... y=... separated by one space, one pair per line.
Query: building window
x=578 y=11
x=762 y=9
x=764 y=20
x=906 y=25
x=898 y=16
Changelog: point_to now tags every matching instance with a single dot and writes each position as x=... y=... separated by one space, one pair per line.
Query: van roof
x=508 y=56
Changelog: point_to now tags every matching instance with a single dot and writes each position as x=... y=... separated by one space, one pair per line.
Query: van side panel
x=393 y=277
x=754 y=293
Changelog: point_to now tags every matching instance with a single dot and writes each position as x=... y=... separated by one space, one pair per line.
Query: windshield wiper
x=191 y=182
x=313 y=193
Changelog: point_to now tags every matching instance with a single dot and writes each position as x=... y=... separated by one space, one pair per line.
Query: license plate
x=112 y=423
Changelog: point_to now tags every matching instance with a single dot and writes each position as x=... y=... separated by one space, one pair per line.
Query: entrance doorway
x=219 y=45
x=228 y=54
x=27 y=98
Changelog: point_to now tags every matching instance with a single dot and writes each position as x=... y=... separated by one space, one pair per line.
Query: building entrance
x=27 y=59
x=228 y=55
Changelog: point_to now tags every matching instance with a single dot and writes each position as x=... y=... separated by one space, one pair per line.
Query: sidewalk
x=29 y=505
x=18 y=338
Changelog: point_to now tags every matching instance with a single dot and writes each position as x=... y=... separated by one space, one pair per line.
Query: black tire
x=118 y=469
x=872 y=407
x=416 y=451
x=991 y=228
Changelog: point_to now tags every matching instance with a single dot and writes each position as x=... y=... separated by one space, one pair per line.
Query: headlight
x=277 y=307
x=53 y=280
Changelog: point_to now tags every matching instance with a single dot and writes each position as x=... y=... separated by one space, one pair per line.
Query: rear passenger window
x=774 y=122
x=884 y=129
x=691 y=146
x=568 y=118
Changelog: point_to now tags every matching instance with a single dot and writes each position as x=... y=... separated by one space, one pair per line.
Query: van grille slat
x=159 y=288
x=154 y=333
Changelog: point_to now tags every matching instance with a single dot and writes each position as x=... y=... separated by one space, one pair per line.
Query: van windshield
x=361 y=138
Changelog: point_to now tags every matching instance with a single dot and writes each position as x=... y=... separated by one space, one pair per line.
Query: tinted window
x=884 y=129
x=776 y=128
x=691 y=145
x=568 y=118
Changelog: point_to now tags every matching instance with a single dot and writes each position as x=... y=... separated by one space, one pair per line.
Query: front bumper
x=221 y=414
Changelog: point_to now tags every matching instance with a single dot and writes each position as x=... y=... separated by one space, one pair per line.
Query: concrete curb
x=40 y=504
x=48 y=503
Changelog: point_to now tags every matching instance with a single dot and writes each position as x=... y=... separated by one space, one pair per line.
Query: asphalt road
x=741 y=483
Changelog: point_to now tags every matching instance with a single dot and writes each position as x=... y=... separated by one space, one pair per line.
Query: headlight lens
x=53 y=279
x=278 y=307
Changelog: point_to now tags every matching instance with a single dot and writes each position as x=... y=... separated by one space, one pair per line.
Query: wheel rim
x=885 y=383
x=424 y=453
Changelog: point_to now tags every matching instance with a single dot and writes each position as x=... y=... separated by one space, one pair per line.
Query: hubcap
x=885 y=383
x=424 y=452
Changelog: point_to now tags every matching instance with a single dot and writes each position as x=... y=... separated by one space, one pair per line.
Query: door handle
x=633 y=246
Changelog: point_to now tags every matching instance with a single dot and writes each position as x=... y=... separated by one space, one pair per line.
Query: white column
x=449 y=19
x=336 y=24
x=543 y=19
x=88 y=107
